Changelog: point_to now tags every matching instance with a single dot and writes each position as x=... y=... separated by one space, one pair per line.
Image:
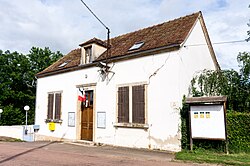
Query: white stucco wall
x=18 y=132
x=167 y=76
x=12 y=131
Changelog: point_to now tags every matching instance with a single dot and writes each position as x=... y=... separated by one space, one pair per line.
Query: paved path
x=59 y=154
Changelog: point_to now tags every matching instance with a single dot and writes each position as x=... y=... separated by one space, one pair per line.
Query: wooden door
x=87 y=117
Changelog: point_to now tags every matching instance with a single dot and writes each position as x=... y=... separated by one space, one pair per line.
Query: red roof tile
x=72 y=59
x=169 y=33
x=165 y=34
x=94 y=40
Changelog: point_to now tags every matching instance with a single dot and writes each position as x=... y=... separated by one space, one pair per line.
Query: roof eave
x=209 y=43
x=207 y=38
x=206 y=100
x=131 y=55
x=64 y=70
x=168 y=48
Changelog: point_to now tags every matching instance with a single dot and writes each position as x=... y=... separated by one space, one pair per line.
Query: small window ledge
x=53 y=120
x=131 y=125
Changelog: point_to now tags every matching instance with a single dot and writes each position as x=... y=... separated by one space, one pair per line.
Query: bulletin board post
x=225 y=119
x=207 y=119
x=190 y=130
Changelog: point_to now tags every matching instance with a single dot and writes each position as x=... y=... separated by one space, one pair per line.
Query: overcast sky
x=62 y=25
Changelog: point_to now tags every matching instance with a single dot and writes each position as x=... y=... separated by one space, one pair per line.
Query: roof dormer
x=91 y=50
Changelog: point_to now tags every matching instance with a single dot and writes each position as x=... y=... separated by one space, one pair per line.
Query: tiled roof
x=165 y=34
x=169 y=33
x=94 y=40
x=72 y=59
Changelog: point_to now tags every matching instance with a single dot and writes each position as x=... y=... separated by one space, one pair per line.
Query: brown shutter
x=138 y=104
x=58 y=106
x=123 y=104
x=50 y=106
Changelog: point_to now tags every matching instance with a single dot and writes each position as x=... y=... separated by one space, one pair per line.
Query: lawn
x=9 y=139
x=204 y=156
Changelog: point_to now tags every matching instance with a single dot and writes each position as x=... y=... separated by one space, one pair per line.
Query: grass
x=9 y=139
x=205 y=156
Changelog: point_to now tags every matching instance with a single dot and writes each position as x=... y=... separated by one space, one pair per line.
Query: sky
x=62 y=25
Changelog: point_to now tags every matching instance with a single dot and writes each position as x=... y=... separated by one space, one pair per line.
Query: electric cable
x=223 y=42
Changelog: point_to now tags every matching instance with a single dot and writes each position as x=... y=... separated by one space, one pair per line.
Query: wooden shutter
x=138 y=104
x=58 y=106
x=123 y=104
x=50 y=106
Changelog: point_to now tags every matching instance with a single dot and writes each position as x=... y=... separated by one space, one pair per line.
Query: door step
x=82 y=143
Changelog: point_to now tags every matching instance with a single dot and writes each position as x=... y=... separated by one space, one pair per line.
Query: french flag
x=81 y=95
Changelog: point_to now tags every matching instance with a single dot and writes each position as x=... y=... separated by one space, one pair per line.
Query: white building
x=135 y=100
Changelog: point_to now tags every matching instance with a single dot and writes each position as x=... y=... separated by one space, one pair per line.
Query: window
x=64 y=64
x=54 y=107
x=137 y=45
x=131 y=104
x=88 y=54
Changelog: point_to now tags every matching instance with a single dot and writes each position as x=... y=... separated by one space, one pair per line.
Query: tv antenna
x=108 y=30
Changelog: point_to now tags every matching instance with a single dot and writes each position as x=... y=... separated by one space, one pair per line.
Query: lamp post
x=1 y=111
x=26 y=108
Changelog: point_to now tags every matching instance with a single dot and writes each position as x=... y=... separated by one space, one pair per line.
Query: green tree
x=18 y=83
x=235 y=85
x=244 y=63
x=41 y=58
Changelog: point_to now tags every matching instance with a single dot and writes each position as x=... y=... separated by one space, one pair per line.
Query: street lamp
x=1 y=111
x=26 y=108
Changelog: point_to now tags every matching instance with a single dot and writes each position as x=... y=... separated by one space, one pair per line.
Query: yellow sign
x=195 y=115
x=201 y=114
x=208 y=115
x=52 y=126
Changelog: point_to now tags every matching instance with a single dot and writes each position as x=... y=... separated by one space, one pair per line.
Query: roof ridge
x=94 y=40
x=76 y=49
x=152 y=26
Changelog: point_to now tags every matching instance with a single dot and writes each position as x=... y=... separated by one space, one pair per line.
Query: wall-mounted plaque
x=71 y=119
x=101 y=120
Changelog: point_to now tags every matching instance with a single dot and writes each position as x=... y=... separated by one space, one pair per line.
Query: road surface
x=62 y=154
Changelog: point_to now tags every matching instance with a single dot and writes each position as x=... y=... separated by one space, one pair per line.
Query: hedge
x=238 y=130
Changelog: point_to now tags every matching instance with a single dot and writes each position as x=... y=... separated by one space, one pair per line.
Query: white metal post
x=1 y=111
x=26 y=119
x=26 y=108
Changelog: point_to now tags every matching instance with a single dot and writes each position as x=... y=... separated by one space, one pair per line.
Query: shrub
x=238 y=131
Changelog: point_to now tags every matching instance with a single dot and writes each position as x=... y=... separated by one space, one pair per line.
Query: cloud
x=62 y=25
x=229 y=24
x=37 y=23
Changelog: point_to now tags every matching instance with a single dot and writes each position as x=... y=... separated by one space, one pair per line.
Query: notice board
x=101 y=120
x=207 y=122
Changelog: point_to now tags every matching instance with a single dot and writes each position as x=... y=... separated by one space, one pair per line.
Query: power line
x=94 y=14
x=224 y=42
x=229 y=42
x=108 y=33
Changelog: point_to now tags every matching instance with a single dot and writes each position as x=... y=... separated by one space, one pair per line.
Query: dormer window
x=88 y=54
x=91 y=50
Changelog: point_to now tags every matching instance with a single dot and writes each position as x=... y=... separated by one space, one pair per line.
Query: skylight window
x=137 y=45
x=64 y=64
